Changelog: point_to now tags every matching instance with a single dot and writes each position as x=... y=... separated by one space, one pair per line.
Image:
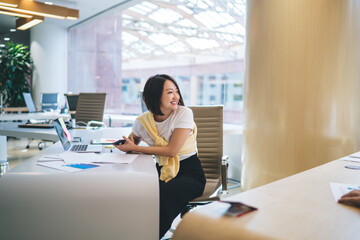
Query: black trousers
x=188 y=184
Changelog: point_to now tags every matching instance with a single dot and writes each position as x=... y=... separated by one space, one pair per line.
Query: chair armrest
x=224 y=165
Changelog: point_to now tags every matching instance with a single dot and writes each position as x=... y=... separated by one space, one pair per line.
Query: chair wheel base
x=41 y=145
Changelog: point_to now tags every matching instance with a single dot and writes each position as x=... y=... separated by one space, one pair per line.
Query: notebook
x=65 y=139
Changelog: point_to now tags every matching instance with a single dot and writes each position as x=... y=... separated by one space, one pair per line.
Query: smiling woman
x=169 y=130
x=170 y=94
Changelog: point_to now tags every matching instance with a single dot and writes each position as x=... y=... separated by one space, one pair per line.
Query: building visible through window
x=199 y=42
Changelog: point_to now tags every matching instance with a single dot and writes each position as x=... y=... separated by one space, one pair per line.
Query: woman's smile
x=169 y=98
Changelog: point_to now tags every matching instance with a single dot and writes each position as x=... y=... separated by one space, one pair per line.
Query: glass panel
x=199 y=42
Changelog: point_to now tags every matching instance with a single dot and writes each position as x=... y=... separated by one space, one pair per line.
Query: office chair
x=209 y=122
x=49 y=102
x=90 y=107
x=71 y=103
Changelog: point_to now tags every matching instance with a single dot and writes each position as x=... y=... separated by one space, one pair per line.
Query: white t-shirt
x=181 y=118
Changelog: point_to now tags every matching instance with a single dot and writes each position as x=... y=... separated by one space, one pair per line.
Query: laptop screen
x=62 y=132
x=29 y=102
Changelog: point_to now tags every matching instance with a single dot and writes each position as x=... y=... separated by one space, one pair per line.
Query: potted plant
x=15 y=74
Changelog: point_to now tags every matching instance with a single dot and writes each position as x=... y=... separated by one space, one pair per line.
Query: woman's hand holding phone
x=125 y=144
x=119 y=142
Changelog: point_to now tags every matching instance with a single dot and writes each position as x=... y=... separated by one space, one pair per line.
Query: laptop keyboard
x=78 y=148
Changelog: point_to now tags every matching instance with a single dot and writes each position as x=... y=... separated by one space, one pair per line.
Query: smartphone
x=119 y=142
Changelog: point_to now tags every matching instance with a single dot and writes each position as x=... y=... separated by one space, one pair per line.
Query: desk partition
x=116 y=201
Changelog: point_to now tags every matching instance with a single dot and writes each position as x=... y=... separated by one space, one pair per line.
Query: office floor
x=17 y=153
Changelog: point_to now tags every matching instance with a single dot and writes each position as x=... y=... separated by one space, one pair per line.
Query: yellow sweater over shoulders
x=170 y=165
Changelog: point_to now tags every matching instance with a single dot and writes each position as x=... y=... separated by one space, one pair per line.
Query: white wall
x=49 y=50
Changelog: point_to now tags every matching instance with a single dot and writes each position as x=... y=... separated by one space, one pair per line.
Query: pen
x=111 y=148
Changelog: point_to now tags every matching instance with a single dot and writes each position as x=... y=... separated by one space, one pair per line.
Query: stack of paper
x=355 y=157
x=50 y=158
x=339 y=189
x=73 y=162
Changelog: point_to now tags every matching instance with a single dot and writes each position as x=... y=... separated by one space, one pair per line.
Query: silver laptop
x=65 y=137
x=29 y=102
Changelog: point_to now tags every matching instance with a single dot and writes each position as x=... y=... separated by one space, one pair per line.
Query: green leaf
x=15 y=71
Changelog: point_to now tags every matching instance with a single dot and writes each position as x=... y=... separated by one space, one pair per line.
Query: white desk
x=297 y=207
x=28 y=116
x=11 y=129
x=117 y=201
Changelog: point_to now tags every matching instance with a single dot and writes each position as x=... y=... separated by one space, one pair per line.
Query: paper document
x=350 y=159
x=74 y=157
x=116 y=157
x=59 y=165
x=339 y=189
x=355 y=155
x=50 y=158
x=74 y=162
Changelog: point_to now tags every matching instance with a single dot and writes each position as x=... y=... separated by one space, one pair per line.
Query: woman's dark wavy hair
x=153 y=90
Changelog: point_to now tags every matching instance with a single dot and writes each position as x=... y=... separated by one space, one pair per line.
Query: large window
x=199 y=42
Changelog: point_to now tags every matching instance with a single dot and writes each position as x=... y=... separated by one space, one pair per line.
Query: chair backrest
x=49 y=101
x=90 y=107
x=209 y=122
x=71 y=103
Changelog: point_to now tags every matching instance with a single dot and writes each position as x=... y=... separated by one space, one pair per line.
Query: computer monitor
x=49 y=101
x=29 y=102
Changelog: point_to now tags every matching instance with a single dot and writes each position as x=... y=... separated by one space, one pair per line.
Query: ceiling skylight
x=158 y=27
x=128 y=38
x=202 y=43
x=185 y=9
x=162 y=38
x=165 y=16
x=176 y=47
x=208 y=19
